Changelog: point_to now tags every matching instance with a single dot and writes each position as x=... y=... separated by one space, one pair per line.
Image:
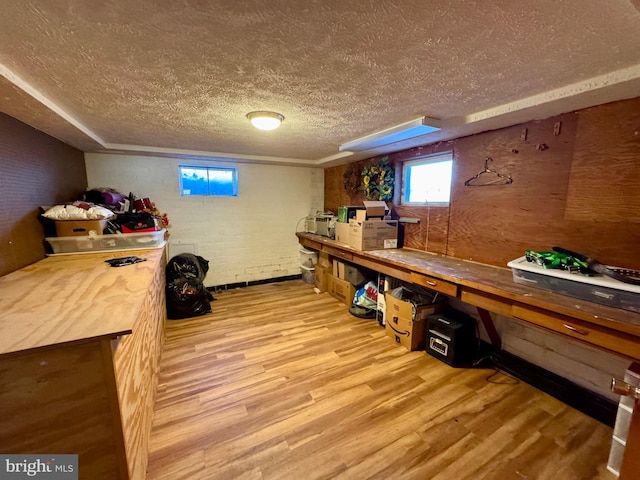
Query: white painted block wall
x=245 y=238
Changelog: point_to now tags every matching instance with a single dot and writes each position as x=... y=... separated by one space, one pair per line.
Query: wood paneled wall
x=578 y=187
x=35 y=170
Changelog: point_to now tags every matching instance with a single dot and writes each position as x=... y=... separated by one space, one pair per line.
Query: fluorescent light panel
x=404 y=131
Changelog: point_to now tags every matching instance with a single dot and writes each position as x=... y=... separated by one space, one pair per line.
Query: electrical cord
x=510 y=379
x=298 y=224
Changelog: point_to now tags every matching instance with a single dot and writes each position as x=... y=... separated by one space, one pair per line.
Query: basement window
x=427 y=180
x=196 y=180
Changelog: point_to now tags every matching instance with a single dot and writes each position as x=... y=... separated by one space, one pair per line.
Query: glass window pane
x=208 y=181
x=428 y=181
x=221 y=182
x=194 y=181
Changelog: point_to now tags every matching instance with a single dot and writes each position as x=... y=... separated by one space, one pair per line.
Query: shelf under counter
x=484 y=286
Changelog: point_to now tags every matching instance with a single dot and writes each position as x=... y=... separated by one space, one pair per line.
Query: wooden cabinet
x=79 y=348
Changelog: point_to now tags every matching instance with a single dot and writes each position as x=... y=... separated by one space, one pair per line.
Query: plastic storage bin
x=308 y=258
x=598 y=289
x=308 y=274
x=102 y=243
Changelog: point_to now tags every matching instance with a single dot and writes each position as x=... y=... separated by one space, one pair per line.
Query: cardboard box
x=323 y=259
x=342 y=232
x=373 y=234
x=341 y=290
x=338 y=269
x=405 y=309
x=321 y=277
x=74 y=228
x=406 y=324
x=406 y=332
x=372 y=209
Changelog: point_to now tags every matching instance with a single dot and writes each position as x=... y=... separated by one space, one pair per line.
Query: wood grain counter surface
x=72 y=298
x=488 y=280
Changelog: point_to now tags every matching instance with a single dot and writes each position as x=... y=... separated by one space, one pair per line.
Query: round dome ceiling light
x=265 y=120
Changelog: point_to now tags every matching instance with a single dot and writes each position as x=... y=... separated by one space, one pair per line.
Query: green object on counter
x=557 y=260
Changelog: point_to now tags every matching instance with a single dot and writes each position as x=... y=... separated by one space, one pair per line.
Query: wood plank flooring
x=282 y=383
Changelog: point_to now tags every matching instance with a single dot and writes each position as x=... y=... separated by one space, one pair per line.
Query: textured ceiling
x=179 y=77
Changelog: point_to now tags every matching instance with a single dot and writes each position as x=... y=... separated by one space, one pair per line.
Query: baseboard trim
x=231 y=286
x=590 y=403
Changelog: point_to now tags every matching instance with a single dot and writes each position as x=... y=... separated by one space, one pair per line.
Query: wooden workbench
x=79 y=348
x=492 y=289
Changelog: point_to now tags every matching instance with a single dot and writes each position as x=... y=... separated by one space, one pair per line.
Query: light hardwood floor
x=282 y=383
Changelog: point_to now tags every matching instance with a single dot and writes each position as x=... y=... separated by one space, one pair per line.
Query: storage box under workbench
x=406 y=322
x=598 y=288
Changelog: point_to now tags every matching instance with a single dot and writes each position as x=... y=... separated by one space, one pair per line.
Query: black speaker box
x=451 y=337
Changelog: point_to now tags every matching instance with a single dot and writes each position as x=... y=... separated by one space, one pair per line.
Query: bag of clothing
x=367 y=296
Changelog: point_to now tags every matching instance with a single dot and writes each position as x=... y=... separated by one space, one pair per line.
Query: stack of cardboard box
x=344 y=280
x=367 y=228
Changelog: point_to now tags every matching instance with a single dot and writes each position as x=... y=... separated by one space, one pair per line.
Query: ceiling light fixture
x=265 y=120
x=405 y=131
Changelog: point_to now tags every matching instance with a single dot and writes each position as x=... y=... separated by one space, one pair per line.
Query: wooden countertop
x=73 y=298
x=490 y=280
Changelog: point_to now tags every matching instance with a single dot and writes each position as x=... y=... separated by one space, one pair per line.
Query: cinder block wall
x=246 y=238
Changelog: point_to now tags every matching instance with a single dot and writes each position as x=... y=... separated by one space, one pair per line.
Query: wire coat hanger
x=500 y=180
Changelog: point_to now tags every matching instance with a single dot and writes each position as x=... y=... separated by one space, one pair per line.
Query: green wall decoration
x=377 y=180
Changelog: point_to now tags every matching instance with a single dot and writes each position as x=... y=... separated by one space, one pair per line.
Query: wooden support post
x=490 y=328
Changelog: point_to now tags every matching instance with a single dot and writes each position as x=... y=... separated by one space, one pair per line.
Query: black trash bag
x=186 y=294
x=187 y=297
x=187 y=265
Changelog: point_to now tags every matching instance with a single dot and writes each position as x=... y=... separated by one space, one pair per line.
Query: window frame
x=208 y=168
x=439 y=157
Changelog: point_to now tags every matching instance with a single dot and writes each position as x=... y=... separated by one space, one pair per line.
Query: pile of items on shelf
x=105 y=211
x=104 y=219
